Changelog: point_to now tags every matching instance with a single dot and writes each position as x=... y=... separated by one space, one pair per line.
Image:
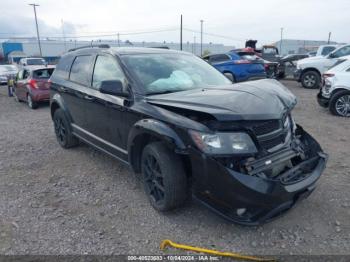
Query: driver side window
x=106 y=68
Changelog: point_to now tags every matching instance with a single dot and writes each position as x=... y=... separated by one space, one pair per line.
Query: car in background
x=271 y=68
x=32 y=85
x=7 y=72
x=335 y=92
x=289 y=63
x=32 y=61
x=324 y=50
x=237 y=67
x=309 y=70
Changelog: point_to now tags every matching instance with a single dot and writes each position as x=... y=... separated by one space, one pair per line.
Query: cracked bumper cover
x=225 y=190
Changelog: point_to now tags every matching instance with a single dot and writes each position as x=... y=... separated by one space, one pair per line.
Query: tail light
x=48 y=84
x=32 y=83
x=327 y=75
x=242 y=61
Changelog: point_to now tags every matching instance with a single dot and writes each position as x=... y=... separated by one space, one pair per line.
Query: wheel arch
x=339 y=89
x=311 y=69
x=57 y=103
x=146 y=131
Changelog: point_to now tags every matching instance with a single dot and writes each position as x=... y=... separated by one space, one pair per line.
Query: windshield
x=35 y=61
x=270 y=50
x=163 y=73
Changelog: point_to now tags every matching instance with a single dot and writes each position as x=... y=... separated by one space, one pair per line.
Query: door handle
x=90 y=98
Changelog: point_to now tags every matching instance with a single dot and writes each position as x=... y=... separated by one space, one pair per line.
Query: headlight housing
x=223 y=143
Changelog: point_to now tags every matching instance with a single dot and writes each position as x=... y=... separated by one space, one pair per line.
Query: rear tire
x=31 y=103
x=310 y=79
x=339 y=103
x=164 y=177
x=63 y=130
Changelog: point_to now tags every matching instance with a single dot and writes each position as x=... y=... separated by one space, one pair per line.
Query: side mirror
x=113 y=87
x=332 y=55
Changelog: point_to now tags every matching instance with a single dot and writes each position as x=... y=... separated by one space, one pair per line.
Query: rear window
x=81 y=70
x=43 y=73
x=35 y=62
x=63 y=67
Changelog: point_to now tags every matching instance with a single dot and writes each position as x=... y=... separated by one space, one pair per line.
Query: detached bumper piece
x=322 y=101
x=256 y=191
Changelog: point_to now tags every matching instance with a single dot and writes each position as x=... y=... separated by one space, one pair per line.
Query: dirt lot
x=80 y=201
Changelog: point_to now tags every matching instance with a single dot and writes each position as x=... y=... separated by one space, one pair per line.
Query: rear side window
x=63 y=67
x=43 y=73
x=81 y=70
x=219 y=58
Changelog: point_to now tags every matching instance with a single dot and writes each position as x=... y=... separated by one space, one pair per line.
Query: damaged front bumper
x=248 y=199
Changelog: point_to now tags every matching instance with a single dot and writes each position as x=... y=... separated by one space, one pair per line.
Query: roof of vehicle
x=128 y=50
x=38 y=67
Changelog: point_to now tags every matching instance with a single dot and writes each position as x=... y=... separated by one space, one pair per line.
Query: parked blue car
x=236 y=67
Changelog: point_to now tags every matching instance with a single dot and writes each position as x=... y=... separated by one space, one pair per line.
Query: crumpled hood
x=254 y=100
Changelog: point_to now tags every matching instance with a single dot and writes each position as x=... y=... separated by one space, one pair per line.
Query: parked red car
x=32 y=85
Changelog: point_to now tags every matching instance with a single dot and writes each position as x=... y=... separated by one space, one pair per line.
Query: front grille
x=265 y=127
x=274 y=141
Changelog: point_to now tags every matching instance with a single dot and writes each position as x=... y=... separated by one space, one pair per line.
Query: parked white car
x=335 y=92
x=309 y=70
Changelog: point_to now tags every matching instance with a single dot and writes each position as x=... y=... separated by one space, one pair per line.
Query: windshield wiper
x=163 y=92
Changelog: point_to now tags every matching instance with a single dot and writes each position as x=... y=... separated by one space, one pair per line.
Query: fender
x=158 y=129
x=57 y=99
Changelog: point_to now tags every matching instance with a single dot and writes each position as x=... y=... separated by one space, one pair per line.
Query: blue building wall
x=9 y=47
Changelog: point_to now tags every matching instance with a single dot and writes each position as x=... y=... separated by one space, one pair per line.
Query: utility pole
x=181 y=33
x=329 y=37
x=194 y=45
x=202 y=37
x=64 y=36
x=37 y=27
x=281 y=41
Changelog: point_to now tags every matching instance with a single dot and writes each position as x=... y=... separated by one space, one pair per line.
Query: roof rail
x=89 y=46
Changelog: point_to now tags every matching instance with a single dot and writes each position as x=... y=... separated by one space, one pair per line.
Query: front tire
x=164 y=177
x=339 y=104
x=310 y=79
x=63 y=130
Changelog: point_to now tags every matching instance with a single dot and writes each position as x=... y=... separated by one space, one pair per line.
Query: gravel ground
x=80 y=201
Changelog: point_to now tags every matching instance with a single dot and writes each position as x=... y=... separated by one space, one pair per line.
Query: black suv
x=187 y=130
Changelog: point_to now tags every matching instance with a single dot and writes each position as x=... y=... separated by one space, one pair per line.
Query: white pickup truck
x=309 y=70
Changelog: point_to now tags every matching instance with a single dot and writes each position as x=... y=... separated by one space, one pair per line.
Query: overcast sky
x=234 y=20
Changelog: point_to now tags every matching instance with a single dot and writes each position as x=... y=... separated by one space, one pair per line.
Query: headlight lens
x=223 y=143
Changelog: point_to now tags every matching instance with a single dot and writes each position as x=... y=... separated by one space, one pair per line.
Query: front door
x=103 y=111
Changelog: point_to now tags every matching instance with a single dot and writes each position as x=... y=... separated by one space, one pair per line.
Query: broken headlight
x=223 y=143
